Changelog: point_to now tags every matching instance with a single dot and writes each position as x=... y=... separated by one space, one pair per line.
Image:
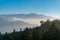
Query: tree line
x=33 y=34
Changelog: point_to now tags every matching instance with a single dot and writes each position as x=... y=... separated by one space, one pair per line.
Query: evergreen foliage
x=33 y=34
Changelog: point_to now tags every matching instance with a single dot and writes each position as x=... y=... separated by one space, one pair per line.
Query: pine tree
x=52 y=33
x=13 y=35
x=37 y=34
x=27 y=34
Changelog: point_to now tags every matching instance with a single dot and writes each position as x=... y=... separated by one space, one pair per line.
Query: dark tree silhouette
x=27 y=34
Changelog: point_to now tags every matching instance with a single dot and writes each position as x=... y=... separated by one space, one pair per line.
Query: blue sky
x=46 y=7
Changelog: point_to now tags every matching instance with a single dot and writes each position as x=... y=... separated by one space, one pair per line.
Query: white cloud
x=30 y=20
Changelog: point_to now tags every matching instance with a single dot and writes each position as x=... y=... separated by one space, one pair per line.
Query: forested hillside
x=47 y=31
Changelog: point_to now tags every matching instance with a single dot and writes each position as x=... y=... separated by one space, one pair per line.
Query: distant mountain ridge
x=16 y=21
x=31 y=15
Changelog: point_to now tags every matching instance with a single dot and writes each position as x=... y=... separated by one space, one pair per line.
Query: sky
x=46 y=7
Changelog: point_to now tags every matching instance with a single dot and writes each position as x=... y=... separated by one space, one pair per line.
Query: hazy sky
x=46 y=7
